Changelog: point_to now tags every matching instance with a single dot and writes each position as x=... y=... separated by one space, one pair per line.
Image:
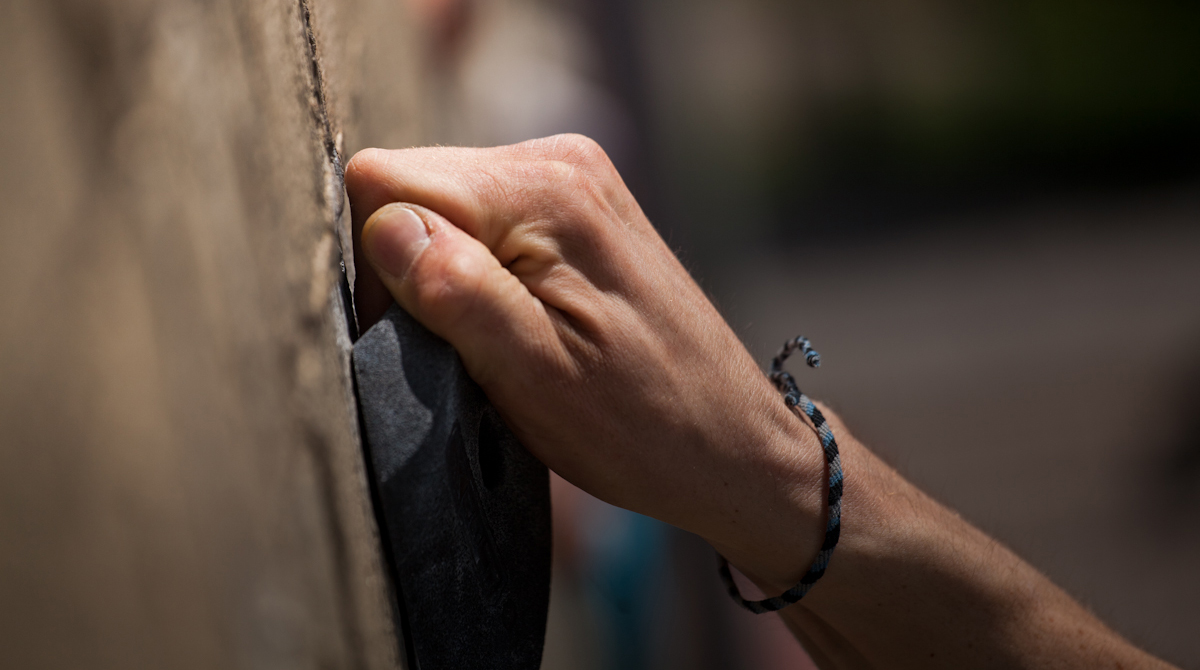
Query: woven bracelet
x=794 y=399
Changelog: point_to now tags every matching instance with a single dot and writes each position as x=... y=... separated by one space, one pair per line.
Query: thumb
x=453 y=285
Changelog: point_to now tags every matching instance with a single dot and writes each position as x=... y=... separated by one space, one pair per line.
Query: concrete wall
x=181 y=483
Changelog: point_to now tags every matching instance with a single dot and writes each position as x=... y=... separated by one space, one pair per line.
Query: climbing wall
x=181 y=481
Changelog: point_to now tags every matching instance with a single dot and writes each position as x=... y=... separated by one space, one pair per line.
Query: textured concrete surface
x=181 y=483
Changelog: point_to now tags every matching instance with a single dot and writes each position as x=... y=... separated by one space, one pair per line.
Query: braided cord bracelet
x=793 y=398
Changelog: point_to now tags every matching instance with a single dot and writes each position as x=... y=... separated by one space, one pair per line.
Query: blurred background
x=983 y=213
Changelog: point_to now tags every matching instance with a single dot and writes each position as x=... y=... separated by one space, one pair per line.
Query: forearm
x=913 y=585
x=607 y=360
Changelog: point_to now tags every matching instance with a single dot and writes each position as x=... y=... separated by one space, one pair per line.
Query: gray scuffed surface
x=465 y=507
x=398 y=415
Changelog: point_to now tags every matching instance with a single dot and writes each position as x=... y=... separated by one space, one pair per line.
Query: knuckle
x=581 y=148
x=572 y=166
x=585 y=152
x=571 y=148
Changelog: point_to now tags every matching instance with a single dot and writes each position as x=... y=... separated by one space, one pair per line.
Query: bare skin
x=612 y=366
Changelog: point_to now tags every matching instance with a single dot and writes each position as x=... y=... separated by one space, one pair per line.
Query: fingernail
x=393 y=238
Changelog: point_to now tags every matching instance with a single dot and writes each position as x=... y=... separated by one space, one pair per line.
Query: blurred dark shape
x=447 y=26
x=862 y=118
x=1052 y=96
x=1172 y=490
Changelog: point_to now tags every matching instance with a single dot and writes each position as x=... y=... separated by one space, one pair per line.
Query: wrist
x=772 y=524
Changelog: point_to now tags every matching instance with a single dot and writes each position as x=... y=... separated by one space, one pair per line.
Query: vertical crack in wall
x=321 y=108
x=333 y=196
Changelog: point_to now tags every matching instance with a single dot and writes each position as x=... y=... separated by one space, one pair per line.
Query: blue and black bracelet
x=793 y=398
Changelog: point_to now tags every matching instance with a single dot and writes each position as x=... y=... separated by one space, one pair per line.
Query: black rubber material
x=466 y=509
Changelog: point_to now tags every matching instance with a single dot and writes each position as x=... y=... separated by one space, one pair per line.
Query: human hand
x=604 y=357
